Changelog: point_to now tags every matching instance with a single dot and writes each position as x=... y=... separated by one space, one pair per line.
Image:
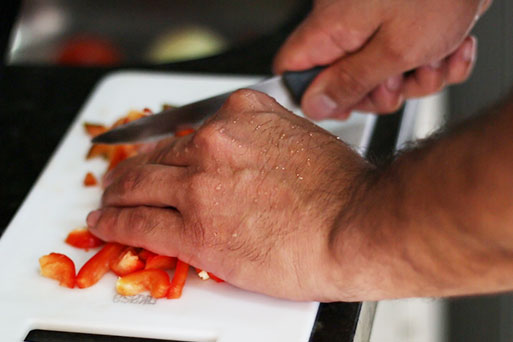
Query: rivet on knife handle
x=298 y=81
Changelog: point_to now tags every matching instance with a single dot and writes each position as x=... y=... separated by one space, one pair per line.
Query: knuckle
x=239 y=99
x=208 y=138
x=406 y=57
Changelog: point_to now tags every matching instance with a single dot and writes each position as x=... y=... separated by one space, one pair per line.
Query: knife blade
x=287 y=90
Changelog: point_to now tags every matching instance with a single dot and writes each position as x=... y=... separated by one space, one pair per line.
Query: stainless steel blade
x=165 y=123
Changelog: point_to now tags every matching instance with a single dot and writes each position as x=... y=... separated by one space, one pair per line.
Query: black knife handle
x=298 y=81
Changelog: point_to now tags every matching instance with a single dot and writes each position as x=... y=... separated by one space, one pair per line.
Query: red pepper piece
x=202 y=274
x=59 y=267
x=178 y=282
x=144 y=254
x=217 y=279
x=120 y=153
x=96 y=267
x=82 y=238
x=210 y=275
x=90 y=180
x=160 y=261
x=100 y=150
x=184 y=132
x=93 y=129
x=156 y=281
x=127 y=262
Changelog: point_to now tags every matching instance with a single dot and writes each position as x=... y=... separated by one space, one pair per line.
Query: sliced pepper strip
x=59 y=267
x=127 y=262
x=178 y=282
x=156 y=281
x=215 y=278
x=144 y=254
x=82 y=238
x=160 y=261
x=96 y=267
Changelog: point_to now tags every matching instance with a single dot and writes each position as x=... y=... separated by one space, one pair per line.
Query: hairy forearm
x=437 y=221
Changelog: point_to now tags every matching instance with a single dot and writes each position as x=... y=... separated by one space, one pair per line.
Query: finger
x=157 y=229
x=462 y=61
x=425 y=80
x=330 y=32
x=385 y=98
x=175 y=151
x=346 y=82
x=150 y=184
x=485 y=5
x=121 y=168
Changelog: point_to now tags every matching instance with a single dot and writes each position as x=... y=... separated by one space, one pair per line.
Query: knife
x=287 y=90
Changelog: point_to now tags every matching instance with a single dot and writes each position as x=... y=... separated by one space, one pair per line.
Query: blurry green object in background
x=186 y=43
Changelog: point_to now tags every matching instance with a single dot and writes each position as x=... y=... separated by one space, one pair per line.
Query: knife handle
x=298 y=81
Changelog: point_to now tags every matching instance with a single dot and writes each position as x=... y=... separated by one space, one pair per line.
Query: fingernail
x=93 y=218
x=468 y=51
x=394 y=83
x=321 y=106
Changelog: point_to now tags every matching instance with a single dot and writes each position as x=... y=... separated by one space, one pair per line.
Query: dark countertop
x=38 y=103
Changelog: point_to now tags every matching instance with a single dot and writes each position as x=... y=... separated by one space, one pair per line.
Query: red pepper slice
x=160 y=261
x=127 y=262
x=184 y=132
x=59 y=267
x=93 y=129
x=82 y=238
x=120 y=153
x=210 y=275
x=96 y=267
x=90 y=179
x=217 y=279
x=100 y=150
x=178 y=282
x=156 y=281
x=145 y=254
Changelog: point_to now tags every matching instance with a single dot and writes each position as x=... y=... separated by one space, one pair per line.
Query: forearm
x=437 y=221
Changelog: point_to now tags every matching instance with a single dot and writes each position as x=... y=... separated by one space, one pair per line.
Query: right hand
x=380 y=52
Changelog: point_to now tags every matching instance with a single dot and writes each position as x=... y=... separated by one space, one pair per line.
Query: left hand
x=252 y=196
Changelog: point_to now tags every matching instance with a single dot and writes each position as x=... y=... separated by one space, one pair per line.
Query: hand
x=381 y=52
x=252 y=197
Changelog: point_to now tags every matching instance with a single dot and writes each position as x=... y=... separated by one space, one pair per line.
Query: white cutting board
x=58 y=203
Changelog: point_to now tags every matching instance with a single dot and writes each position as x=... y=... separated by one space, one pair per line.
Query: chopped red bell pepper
x=96 y=267
x=206 y=275
x=120 y=154
x=156 y=281
x=144 y=254
x=59 y=267
x=100 y=150
x=217 y=279
x=127 y=262
x=184 y=132
x=90 y=180
x=160 y=261
x=82 y=238
x=93 y=129
x=178 y=282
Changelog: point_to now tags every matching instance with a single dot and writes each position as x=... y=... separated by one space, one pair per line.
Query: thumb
x=332 y=30
x=347 y=81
